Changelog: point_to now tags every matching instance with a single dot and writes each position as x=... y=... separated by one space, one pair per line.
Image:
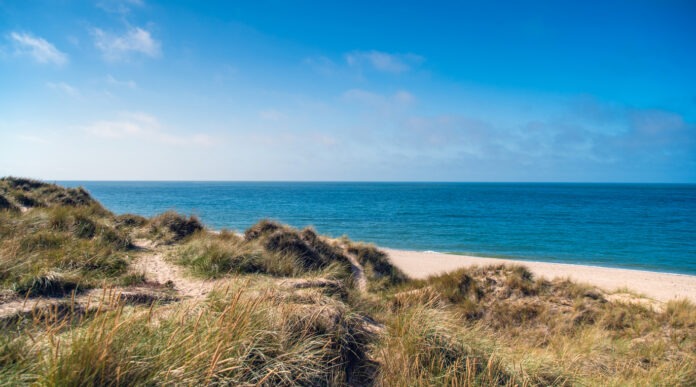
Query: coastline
x=654 y=285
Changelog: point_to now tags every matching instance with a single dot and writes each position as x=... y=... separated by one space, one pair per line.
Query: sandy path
x=358 y=272
x=157 y=269
x=658 y=286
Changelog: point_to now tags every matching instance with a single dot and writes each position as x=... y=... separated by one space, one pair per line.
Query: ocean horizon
x=625 y=225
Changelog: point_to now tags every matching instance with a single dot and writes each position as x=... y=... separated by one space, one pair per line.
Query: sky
x=349 y=91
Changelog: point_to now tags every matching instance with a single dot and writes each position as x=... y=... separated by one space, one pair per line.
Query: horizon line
x=364 y=181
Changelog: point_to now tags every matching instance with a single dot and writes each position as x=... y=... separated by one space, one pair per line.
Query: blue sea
x=636 y=226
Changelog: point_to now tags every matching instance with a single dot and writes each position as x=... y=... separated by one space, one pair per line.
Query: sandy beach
x=658 y=286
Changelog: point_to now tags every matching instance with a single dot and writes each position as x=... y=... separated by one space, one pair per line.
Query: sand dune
x=658 y=286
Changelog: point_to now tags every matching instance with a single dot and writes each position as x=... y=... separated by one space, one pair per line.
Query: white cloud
x=64 y=87
x=118 y=47
x=38 y=48
x=115 y=82
x=143 y=126
x=383 y=61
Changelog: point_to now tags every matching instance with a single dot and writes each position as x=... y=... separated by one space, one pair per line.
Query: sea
x=635 y=226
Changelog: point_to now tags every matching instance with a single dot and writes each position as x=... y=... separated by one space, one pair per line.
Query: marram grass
x=285 y=311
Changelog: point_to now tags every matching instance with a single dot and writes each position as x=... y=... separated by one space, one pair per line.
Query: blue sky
x=279 y=90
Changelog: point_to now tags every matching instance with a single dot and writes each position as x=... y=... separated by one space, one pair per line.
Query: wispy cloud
x=115 y=82
x=63 y=87
x=384 y=103
x=383 y=61
x=119 y=6
x=118 y=47
x=38 y=48
x=362 y=61
x=645 y=136
x=143 y=126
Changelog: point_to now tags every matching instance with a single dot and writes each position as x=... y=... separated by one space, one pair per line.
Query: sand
x=657 y=286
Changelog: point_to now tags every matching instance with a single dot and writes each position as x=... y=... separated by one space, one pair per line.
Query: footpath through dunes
x=152 y=264
x=662 y=287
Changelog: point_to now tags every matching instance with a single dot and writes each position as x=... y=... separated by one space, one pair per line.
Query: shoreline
x=521 y=261
x=655 y=285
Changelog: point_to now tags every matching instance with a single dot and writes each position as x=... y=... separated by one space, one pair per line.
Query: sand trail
x=158 y=270
x=358 y=272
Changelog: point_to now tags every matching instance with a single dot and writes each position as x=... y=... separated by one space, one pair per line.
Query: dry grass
x=494 y=325
x=49 y=251
x=378 y=269
x=171 y=227
x=232 y=338
x=545 y=327
x=33 y=193
x=6 y=204
x=283 y=252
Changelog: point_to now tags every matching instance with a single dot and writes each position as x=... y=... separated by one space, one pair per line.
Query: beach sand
x=657 y=286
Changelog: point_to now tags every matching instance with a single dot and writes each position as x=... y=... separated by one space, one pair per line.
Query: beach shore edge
x=659 y=286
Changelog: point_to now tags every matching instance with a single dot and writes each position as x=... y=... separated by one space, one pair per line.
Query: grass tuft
x=6 y=205
x=379 y=270
x=172 y=227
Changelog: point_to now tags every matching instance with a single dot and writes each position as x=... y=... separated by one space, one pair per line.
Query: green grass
x=287 y=253
x=170 y=227
x=66 y=241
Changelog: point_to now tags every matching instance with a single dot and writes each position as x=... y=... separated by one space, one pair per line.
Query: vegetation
x=285 y=309
x=380 y=272
x=170 y=227
x=63 y=241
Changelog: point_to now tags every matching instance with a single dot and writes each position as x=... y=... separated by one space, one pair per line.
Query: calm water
x=636 y=226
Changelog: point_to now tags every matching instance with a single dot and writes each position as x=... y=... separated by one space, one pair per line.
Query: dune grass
x=547 y=326
x=232 y=338
x=379 y=271
x=286 y=312
x=278 y=251
x=170 y=227
x=53 y=250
